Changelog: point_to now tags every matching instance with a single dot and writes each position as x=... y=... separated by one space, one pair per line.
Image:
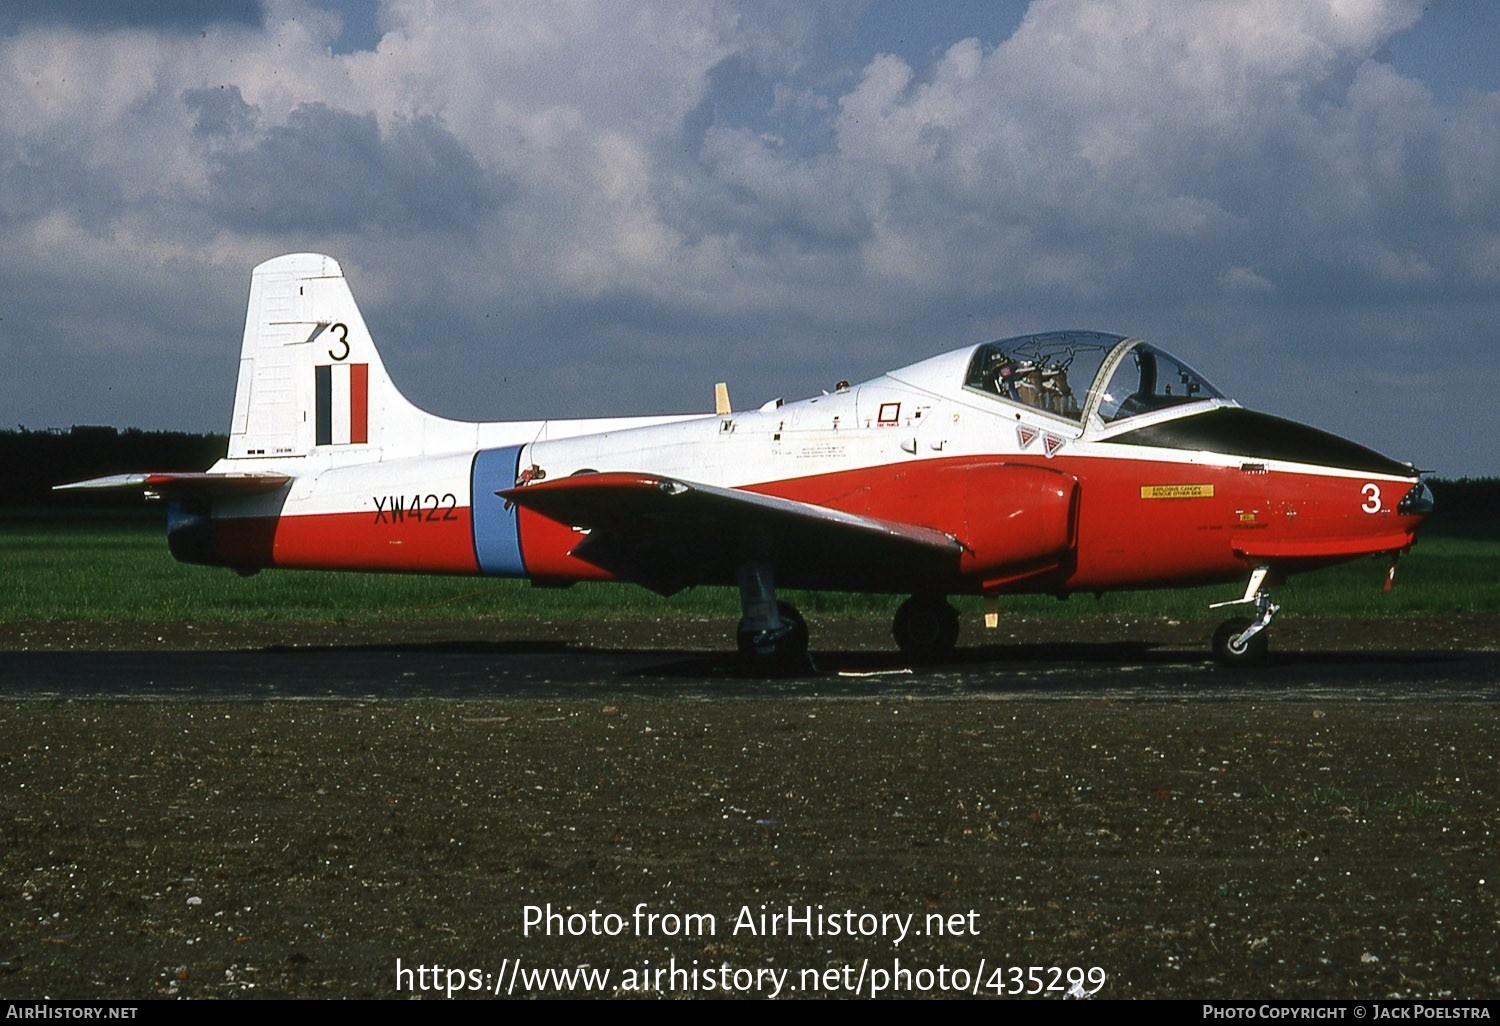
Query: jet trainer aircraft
x=1053 y=463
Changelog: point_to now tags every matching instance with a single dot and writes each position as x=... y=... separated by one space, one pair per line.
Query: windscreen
x=1148 y=379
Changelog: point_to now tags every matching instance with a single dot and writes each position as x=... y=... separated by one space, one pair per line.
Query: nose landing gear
x=1243 y=642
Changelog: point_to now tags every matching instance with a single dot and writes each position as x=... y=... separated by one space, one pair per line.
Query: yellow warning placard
x=1177 y=491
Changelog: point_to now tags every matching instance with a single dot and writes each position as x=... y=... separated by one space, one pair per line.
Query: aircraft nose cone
x=1418 y=501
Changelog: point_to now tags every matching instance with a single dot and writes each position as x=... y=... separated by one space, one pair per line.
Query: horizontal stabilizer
x=177 y=484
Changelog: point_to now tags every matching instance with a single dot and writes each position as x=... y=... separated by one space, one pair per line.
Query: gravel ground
x=1215 y=847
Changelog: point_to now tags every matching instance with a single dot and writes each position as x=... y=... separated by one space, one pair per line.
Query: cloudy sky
x=580 y=208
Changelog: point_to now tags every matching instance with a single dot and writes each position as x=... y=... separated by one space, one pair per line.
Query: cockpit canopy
x=1078 y=374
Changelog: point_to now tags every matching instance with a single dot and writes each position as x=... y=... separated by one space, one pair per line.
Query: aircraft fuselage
x=1054 y=463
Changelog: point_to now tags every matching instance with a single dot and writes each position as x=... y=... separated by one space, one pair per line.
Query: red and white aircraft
x=1050 y=463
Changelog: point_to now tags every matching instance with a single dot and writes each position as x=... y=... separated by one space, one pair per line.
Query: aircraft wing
x=182 y=484
x=667 y=533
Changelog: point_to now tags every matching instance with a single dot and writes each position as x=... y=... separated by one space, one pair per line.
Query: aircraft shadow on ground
x=553 y=668
x=1084 y=658
x=725 y=661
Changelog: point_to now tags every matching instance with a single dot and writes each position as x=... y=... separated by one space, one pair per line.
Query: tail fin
x=310 y=378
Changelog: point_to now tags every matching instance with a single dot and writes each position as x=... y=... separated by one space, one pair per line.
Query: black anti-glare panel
x=1260 y=436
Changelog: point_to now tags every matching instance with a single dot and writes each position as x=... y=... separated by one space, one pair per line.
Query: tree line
x=31 y=462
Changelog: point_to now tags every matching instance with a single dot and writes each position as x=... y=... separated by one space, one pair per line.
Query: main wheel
x=925 y=628
x=1231 y=651
x=780 y=652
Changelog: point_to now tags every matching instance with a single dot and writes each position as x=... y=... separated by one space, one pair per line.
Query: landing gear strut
x=772 y=635
x=925 y=628
x=1243 y=642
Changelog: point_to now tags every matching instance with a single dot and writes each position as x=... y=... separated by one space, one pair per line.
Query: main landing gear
x=1243 y=642
x=772 y=635
x=925 y=628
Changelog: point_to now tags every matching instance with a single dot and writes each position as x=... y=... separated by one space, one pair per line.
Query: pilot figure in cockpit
x=1032 y=383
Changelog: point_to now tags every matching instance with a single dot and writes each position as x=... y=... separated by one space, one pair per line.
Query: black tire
x=925 y=628
x=1230 y=652
x=780 y=655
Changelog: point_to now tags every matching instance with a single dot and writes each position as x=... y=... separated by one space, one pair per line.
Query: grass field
x=122 y=573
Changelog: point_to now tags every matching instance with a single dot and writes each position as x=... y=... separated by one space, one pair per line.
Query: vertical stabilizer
x=310 y=378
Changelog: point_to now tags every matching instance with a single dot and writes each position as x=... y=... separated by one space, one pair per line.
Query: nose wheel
x=1244 y=642
x=1235 y=645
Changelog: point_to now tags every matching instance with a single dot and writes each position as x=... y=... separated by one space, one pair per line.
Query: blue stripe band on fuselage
x=497 y=543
